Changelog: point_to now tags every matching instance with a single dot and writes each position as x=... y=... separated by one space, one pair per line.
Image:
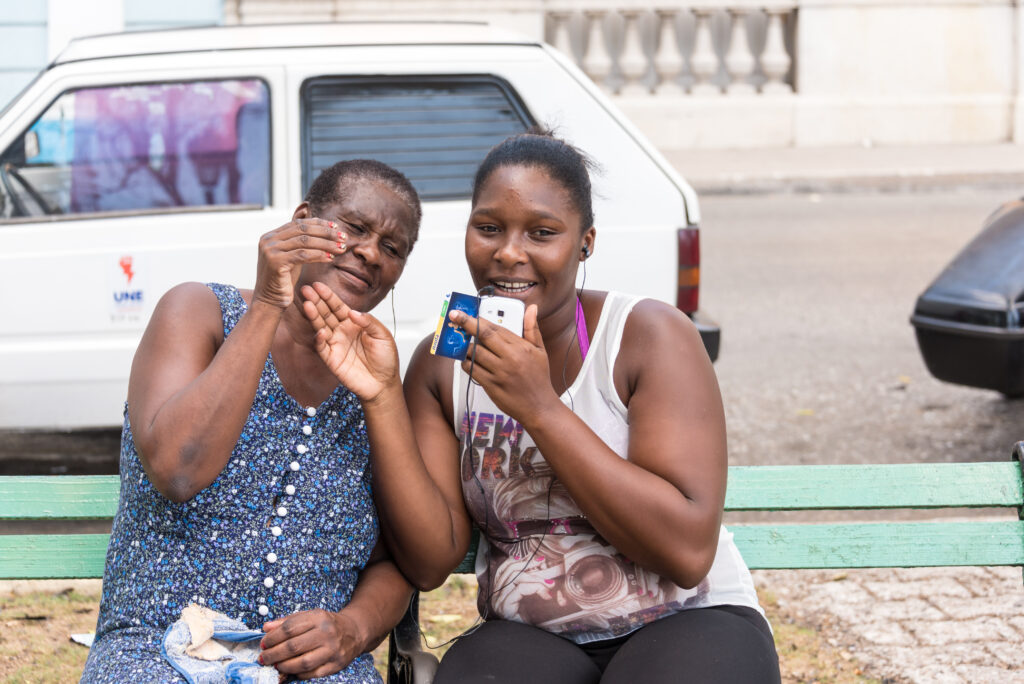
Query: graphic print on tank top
x=545 y=564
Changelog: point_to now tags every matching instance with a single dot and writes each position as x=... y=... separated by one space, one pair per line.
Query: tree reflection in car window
x=141 y=147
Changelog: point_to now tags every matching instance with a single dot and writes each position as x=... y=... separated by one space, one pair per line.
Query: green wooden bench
x=870 y=544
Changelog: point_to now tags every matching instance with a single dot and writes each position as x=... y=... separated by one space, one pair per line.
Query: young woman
x=590 y=452
x=245 y=484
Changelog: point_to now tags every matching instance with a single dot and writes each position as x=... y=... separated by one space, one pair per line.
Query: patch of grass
x=35 y=647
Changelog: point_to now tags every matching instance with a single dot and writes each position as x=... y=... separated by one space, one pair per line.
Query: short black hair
x=540 y=148
x=329 y=187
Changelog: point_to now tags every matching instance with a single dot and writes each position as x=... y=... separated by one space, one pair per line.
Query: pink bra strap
x=581 y=330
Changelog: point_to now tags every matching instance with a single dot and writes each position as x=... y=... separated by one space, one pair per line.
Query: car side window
x=434 y=129
x=136 y=148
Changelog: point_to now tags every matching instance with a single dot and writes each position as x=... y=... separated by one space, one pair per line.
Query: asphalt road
x=818 y=362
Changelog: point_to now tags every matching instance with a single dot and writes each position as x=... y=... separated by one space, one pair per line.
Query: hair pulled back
x=332 y=184
x=541 y=149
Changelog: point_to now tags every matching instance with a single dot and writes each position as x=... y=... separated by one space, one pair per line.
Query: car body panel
x=968 y=322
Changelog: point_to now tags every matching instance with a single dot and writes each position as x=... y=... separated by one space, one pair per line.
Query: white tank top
x=540 y=562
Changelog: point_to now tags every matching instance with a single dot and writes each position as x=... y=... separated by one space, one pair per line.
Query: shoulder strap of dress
x=232 y=306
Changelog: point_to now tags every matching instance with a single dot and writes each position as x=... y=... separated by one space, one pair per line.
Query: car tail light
x=689 y=270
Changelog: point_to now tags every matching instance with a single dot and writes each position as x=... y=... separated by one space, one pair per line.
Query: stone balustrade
x=711 y=49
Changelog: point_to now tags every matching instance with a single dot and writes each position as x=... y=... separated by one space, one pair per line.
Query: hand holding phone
x=453 y=342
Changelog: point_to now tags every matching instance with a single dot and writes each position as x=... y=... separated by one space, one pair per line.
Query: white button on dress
x=294 y=465
x=268 y=582
x=271 y=557
x=289 y=490
x=310 y=411
x=282 y=511
x=276 y=531
x=263 y=610
x=301 y=448
x=307 y=430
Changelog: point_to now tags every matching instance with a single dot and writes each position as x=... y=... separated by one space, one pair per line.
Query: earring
x=586 y=251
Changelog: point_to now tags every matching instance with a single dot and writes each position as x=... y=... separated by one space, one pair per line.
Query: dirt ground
x=37 y=619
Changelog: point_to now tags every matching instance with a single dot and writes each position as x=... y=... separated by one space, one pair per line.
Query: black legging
x=718 y=645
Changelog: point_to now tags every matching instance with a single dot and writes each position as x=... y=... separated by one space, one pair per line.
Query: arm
x=190 y=390
x=662 y=508
x=317 y=643
x=415 y=457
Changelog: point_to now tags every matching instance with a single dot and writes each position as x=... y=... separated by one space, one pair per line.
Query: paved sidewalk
x=917 y=626
x=843 y=169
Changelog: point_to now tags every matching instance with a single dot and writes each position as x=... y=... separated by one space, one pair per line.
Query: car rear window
x=435 y=130
x=139 y=147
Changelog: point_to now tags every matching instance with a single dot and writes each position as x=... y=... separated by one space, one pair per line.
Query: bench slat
x=911 y=485
x=903 y=485
x=58 y=497
x=52 y=556
x=881 y=545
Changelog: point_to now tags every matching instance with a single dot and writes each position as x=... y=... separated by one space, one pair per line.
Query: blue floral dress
x=287 y=526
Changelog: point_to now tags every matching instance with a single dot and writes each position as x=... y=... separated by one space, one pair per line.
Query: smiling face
x=380 y=227
x=524 y=237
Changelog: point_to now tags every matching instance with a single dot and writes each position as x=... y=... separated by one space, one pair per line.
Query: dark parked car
x=968 y=321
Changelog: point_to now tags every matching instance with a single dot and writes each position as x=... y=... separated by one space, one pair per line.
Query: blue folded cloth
x=208 y=647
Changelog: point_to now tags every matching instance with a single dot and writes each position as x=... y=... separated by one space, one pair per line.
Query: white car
x=140 y=160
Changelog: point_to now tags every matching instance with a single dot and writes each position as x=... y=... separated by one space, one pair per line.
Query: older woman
x=590 y=452
x=245 y=482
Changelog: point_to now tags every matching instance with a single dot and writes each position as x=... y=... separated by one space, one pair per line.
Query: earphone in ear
x=586 y=251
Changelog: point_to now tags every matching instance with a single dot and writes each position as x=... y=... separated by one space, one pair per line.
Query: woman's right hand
x=355 y=346
x=283 y=251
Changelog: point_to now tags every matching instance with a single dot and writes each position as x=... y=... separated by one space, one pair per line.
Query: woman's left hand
x=310 y=644
x=512 y=370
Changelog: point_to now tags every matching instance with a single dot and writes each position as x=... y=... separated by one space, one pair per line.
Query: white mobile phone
x=504 y=311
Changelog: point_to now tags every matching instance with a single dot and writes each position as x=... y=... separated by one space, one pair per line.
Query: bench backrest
x=55 y=497
x=751 y=488
x=874 y=544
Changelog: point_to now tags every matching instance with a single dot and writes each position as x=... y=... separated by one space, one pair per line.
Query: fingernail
x=341 y=236
x=259 y=658
x=332 y=224
x=341 y=245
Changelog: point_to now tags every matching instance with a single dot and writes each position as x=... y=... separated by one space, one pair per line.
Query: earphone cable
x=465 y=449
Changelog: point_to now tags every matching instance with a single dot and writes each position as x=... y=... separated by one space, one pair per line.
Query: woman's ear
x=589 y=236
x=303 y=211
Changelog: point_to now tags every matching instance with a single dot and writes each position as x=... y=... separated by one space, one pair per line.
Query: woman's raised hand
x=283 y=251
x=355 y=346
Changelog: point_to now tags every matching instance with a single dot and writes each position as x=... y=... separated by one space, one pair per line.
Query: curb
x=923 y=181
